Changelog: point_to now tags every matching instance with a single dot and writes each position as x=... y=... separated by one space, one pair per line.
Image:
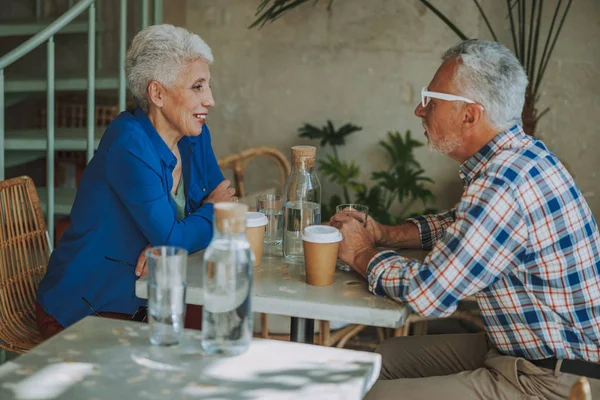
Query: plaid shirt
x=523 y=240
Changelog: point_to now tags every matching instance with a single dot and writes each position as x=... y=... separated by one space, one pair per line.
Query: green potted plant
x=403 y=183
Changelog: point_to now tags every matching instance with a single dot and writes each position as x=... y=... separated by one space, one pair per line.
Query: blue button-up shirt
x=523 y=240
x=122 y=204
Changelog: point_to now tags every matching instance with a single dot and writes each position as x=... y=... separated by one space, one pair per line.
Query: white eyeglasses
x=426 y=97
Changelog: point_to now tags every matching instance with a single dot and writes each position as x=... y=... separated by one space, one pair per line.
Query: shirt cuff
x=429 y=227
x=377 y=266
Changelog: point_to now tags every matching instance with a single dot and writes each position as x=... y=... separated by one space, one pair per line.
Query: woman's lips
x=201 y=117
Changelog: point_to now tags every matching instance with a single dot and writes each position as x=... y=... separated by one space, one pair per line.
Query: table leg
x=302 y=330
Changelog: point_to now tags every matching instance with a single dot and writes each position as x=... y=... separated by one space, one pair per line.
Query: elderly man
x=522 y=240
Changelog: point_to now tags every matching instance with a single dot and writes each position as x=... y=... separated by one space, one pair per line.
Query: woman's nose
x=208 y=101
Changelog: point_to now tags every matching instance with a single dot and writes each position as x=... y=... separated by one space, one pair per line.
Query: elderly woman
x=153 y=181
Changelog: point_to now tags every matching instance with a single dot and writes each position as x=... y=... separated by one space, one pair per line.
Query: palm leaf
x=485 y=19
x=328 y=135
x=340 y=172
x=399 y=149
x=276 y=10
x=312 y=132
x=445 y=19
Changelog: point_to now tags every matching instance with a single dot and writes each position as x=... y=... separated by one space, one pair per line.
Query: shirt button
x=204 y=189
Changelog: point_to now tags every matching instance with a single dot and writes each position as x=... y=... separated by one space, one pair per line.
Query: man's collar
x=159 y=144
x=473 y=165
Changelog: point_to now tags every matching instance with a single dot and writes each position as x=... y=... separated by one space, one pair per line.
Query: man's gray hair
x=491 y=75
x=157 y=54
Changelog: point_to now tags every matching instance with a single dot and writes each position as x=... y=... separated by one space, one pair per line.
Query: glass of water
x=359 y=212
x=272 y=206
x=167 y=269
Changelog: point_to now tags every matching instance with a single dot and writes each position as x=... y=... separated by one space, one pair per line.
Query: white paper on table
x=341 y=370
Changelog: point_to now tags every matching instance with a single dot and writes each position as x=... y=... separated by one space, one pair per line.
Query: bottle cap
x=321 y=234
x=256 y=219
x=304 y=156
x=230 y=217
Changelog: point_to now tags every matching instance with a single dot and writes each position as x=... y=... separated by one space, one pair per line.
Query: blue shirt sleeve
x=215 y=175
x=134 y=173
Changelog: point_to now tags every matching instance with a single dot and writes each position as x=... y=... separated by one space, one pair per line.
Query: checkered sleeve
x=433 y=227
x=487 y=240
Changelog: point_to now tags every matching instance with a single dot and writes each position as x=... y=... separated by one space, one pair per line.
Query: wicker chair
x=24 y=254
x=238 y=162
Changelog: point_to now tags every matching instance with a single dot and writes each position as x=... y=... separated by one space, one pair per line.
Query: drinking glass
x=359 y=211
x=167 y=269
x=362 y=212
x=272 y=206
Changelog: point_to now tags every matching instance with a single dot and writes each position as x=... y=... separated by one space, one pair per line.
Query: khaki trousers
x=462 y=367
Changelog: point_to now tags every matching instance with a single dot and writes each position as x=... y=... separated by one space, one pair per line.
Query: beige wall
x=365 y=63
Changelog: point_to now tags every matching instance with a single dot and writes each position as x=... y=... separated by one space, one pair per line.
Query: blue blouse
x=122 y=204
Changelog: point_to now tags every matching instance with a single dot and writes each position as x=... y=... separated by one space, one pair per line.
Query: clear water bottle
x=302 y=205
x=228 y=268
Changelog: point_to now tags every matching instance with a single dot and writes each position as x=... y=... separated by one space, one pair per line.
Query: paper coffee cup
x=321 y=244
x=255 y=232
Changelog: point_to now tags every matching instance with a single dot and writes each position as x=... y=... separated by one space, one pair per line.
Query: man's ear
x=156 y=93
x=473 y=114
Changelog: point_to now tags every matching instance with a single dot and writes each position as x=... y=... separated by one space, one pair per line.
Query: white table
x=280 y=288
x=101 y=358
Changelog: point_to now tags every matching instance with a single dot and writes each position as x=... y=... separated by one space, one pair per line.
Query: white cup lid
x=321 y=234
x=256 y=219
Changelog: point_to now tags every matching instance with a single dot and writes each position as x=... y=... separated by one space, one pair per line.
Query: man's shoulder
x=517 y=162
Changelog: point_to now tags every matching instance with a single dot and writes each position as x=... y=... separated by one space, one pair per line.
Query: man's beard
x=444 y=145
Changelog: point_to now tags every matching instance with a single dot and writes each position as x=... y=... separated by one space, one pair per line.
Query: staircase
x=20 y=146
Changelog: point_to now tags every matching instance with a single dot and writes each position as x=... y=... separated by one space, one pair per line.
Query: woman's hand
x=140 y=269
x=222 y=193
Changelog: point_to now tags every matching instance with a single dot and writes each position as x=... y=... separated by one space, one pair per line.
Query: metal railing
x=47 y=36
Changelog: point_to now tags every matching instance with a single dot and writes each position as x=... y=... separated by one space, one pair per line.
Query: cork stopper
x=230 y=217
x=308 y=154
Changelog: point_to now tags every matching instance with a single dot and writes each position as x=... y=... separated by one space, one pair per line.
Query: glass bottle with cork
x=302 y=205
x=228 y=267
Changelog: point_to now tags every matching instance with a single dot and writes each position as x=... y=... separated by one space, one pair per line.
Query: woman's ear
x=156 y=93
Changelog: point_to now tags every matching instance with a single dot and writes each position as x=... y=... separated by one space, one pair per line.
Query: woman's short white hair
x=157 y=54
x=491 y=75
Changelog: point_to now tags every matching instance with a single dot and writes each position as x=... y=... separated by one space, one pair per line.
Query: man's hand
x=358 y=244
x=140 y=269
x=222 y=193
x=377 y=231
